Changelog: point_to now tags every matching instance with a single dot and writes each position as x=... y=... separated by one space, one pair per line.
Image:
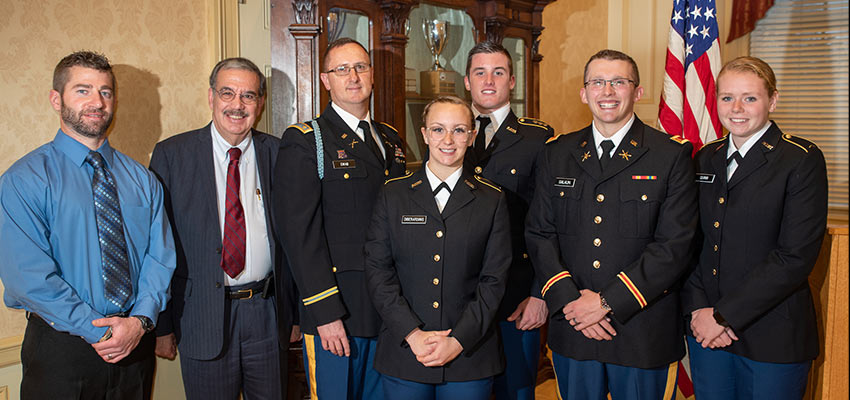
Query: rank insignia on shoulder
x=303 y=127
x=409 y=174
x=533 y=122
x=678 y=139
x=803 y=144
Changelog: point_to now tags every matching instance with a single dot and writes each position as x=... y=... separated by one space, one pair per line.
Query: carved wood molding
x=305 y=11
x=494 y=28
x=394 y=15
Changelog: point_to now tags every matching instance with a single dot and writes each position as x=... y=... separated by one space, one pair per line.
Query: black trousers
x=57 y=365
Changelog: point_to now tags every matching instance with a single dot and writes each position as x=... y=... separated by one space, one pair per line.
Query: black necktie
x=607 y=145
x=735 y=156
x=442 y=186
x=481 y=138
x=370 y=140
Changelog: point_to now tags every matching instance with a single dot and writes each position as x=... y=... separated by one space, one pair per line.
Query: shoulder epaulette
x=488 y=183
x=390 y=126
x=533 y=122
x=678 y=139
x=301 y=126
x=409 y=174
x=799 y=142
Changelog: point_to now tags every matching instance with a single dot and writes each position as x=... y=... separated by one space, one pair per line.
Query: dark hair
x=339 y=43
x=487 y=47
x=754 y=65
x=239 y=63
x=83 y=58
x=612 y=55
x=448 y=100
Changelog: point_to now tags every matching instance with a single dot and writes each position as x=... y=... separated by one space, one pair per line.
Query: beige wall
x=162 y=52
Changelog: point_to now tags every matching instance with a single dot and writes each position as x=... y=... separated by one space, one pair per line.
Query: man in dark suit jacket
x=326 y=207
x=505 y=151
x=610 y=230
x=230 y=313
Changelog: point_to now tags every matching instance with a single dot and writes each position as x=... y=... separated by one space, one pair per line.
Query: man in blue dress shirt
x=87 y=249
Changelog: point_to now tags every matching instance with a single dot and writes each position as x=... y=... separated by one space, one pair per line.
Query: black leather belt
x=243 y=292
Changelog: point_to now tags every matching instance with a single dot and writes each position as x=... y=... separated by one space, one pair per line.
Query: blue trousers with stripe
x=593 y=380
x=720 y=375
x=522 y=353
x=331 y=377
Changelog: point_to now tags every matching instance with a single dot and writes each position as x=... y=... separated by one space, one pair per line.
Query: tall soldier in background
x=505 y=151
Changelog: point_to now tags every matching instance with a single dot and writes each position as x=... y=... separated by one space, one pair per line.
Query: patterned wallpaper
x=161 y=54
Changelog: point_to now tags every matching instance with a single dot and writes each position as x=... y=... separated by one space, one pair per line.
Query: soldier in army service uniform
x=610 y=232
x=324 y=210
x=505 y=152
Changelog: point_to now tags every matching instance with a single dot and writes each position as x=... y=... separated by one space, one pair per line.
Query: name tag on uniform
x=414 y=219
x=565 y=182
x=705 y=178
x=345 y=164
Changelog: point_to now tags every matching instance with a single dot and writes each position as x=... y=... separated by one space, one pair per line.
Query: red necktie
x=233 y=244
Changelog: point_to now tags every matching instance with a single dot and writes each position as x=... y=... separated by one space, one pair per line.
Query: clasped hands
x=587 y=316
x=708 y=332
x=433 y=348
x=126 y=333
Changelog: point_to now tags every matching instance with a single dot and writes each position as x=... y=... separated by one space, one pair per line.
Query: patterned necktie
x=110 y=232
x=233 y=244
x=607 y=145
x=370 y=140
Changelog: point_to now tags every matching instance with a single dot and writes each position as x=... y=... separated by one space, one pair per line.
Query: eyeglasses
x=345 y=69
x=228 y=95
x=459 y=133
x=616 y=83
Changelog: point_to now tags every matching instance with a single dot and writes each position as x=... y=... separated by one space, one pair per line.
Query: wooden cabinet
x=300 y=32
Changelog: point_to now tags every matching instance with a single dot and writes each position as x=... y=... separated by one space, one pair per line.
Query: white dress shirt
x=496 y=119
x=617 y=137
x=353 y=122
x=733 y=165
x=442 y=197
x=258 y=258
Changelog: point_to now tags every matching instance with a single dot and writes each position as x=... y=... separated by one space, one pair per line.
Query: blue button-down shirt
x=49 y=246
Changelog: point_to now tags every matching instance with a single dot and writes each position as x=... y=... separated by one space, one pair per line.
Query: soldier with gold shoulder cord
x=323 y=209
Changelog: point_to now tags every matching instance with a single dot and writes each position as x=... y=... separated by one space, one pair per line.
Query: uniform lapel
x=585 y=154
x=422 y=194
x=461 y=195
x=718 y=162
x=628 y=152
x=505 y=137
x=757 y=156
x=346 y=138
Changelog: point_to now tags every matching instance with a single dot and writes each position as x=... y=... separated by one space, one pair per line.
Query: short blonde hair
x=449 y=100
x=756 y=66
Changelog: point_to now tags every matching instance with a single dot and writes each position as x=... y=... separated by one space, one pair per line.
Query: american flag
x=688 y=104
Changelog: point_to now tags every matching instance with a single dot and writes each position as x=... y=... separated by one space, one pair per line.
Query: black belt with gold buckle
x=250 y=290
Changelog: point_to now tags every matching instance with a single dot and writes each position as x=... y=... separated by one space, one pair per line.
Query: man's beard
x=93 y=130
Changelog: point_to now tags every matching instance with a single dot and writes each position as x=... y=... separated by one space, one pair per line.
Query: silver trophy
x=435 y=37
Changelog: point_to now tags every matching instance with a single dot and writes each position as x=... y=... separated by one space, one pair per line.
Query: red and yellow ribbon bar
x=632 y=288
x=552 y=280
